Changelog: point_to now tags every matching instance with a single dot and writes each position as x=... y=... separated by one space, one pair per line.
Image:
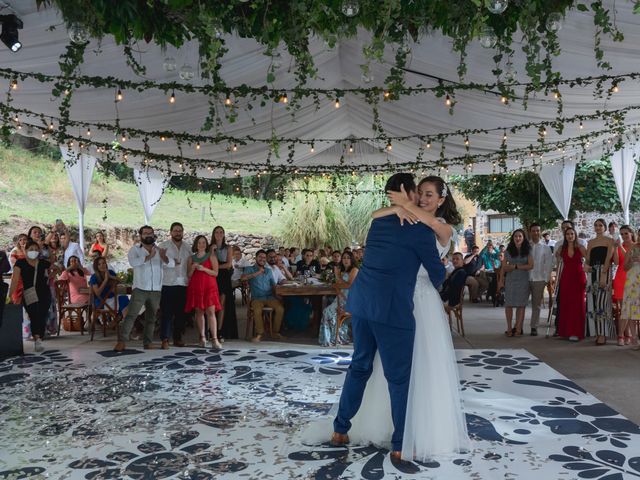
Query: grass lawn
x=37 y=188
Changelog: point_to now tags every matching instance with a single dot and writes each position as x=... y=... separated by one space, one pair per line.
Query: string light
x=88 y=132
x=66 y=91
x=503 y=99
x=428 y=143
x=50 y=125
x=466 y=141
x=504 y=135
x=234 y=148
x=312 y=148
x=172 y=98
x=162 y=138
x=447 y=100
x=198 y=146
x=615 y=88
x=283 y=98
x=14 y=84
x=119 y=96
x=581 y=125
x=386 y=95
x=389 y=146
x=337 y=104
x=351 y=148
x=228 y=102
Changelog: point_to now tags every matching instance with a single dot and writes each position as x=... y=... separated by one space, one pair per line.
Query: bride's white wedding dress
x=435 y=422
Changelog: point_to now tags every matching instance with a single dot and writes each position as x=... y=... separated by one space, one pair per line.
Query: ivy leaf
x=271 y=77
x=582 y=7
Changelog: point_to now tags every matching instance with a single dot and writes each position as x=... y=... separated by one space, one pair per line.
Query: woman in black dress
x=227 y=324
x=34 y=272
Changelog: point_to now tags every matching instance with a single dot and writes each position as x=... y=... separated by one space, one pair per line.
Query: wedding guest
x=293 y=256
x=77 y=277
x=284 y=254
x=557 y=250
x=272 y=263
x=239 y=262
x=36 y=297
x=453 y=286
x=336 y=259
x=262 y=286
x=147 y=261
x=227 y=323
x=345 y=275
x=572 y=308
x=628 y=238
x=70 y=248
x=540 y=275
x=612 y=232
x=469 y=238
x=630 y=312
x=307 y=264
x=202 y=292
x=518 y=263
x=102 y=282
x=448 y=266
x=173 y=296
x=280 y=264
x=36 y=235
x=324 y=264
x=5 y=267
x=18 y=251
x=476 y=279
x=489 y=259
x=358 y=254
x=100 y=245
x=600 y=251
x=546 y=236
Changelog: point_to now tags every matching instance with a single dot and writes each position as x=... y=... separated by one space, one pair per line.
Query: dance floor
x=237 y=414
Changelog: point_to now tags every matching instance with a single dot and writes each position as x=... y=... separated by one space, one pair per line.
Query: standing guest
x=600 y=251
x=70 y=248
x=272 y=263
x=454 y=284
x=572 y=310
x=173 y=296
x=345 y=275
x=557 y=250
x=77 y=276
x=358 y=254
x=35 y=234
x=100 y=245
x=262 y=286
x=147 y=261
x=469 y=238
x=546 y=238
x=239 y=262
x=227 y=323
x=540 y=275
x=36 y=299
x=628 y=238
x=202 y=292
x=19 y=250
x=53 y=250
x=5 y=267
x=307 y=264
x=630 y=312
x=612 y=232
x=518 y=263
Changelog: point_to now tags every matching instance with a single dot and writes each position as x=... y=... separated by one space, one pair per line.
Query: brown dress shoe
x=165 y=345
x=404 y=466
x=149 y=346
x=339 y=439
x=256 y=339
x=119 y=347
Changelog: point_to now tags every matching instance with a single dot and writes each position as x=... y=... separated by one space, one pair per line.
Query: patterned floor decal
x=236 y=414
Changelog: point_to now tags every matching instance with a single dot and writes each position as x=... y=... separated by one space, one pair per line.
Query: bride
x=435 y=422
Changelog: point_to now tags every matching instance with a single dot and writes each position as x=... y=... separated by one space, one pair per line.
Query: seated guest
x=476 y=278
x=262 y=286
x=239 y=263
x=278 y=273
x=308 y=263
x=280 y=264
x=454 y=284
x=489 y=257
x=345 y=275
x=101 y=282
x=324 y=264
x=77 y=277
x=336 y=259
x=448 y=266
x=100 y=245
x=294 y=255
x=283 y=253
x=89 y=265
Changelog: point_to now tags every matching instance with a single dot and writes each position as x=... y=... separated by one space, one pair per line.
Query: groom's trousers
x=396 y=351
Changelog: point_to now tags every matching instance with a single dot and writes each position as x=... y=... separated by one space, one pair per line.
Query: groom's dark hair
x=394 y=182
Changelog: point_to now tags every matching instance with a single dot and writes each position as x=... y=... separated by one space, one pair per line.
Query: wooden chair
x=457 y=312
x=267 y=319
x=73 y=311
x=108 y=314
x=248 y=333
x=341 y=315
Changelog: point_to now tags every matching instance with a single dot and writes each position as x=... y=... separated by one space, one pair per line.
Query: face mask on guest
x=32 y=254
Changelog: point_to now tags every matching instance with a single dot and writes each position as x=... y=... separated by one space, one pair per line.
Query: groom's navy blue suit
x=381 y=306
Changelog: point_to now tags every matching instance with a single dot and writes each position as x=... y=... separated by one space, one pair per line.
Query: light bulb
x=447 y=100
x=312 y=149
x=78 y=34
x=51 y=126
x=615 y=89
x=162 y=138
x=429 y=144
x=88 y=132
x=14 y=84
x=503 y=99
x=497 y=6
x=488 y=37
x=119 y=95
x=581 y=125
x=227 y=101
x=234 y=148
x=389 y=146
x=198 y=146
x=350 y=148
x=172 y=98
x=337 y=103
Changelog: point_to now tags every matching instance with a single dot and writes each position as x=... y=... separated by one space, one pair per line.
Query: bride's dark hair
x=448 y=210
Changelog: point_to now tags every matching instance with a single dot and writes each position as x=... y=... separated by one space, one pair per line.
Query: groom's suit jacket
x=383 y=289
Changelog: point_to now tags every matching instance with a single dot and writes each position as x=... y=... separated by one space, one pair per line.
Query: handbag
x=30 y=295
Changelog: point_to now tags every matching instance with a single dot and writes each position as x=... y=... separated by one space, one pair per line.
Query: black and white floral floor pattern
x=235 y=414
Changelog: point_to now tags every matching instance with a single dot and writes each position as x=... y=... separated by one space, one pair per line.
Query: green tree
x=524 y=195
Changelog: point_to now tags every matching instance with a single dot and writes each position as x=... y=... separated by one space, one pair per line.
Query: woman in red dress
x=202 y=291
x=573 y=283
x=628 y=237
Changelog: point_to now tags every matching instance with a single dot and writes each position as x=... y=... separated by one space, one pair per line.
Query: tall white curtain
x=80 y=171
x=624 y=168
x=558 y=180
x=151 y=184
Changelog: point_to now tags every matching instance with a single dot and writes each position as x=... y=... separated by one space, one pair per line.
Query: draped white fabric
x=339 y=67
x=80 y=171
x=558 y=180
x=624 y=168
x=151 y=184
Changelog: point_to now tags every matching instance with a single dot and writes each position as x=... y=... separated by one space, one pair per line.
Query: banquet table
x=315 y=292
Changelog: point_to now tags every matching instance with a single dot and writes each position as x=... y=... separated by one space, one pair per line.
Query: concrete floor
x=608 y=372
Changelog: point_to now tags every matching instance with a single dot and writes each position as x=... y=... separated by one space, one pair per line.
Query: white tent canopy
x=558 y=180
x=339 y=67
x=151 y=184
x=624 y=168
x=80 y=170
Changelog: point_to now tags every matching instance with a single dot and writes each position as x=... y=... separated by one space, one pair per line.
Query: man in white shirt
x=239 y=262
x=70 y=249
x=272 y=260
x=540 y=275
x=147 y=261
x=174 y=287
x=546 y=239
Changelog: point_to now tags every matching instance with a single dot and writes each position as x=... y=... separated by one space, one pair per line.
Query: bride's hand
x=405 y=215
x=400 y=198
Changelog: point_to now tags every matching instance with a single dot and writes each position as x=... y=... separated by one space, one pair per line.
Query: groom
x=381 y=306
